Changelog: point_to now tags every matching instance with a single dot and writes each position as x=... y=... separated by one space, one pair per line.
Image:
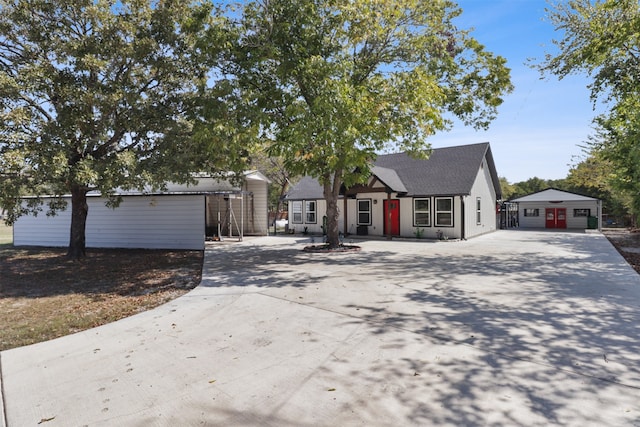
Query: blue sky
x=543 y=122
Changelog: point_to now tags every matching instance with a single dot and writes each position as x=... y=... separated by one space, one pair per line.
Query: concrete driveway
x=512 y=328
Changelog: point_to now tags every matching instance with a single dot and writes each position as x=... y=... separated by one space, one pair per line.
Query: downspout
x=344 y=215
x=462 y=220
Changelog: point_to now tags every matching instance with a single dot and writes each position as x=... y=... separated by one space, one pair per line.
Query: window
x=364 y=212
x=532 y=212
x=421 y=212
x=582 y=212
x=310 y=211
x=478 y=211
x=444 y=211
x=296 y=208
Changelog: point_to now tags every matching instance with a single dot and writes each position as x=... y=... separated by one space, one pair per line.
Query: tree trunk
x=79 y=210
x=331 y=192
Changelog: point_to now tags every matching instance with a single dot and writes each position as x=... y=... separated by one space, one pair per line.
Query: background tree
x=602 y=39
x=341 y=81
x=280 y=177
x=592 y=176
x=507 y=188
x=101 y=95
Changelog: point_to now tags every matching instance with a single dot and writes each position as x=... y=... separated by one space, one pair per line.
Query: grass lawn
x=6 y=234
x=43 y=295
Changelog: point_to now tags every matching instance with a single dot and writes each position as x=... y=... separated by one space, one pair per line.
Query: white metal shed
x=553 y=208
x=178 y=218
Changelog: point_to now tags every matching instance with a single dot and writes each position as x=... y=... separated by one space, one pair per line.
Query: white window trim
x=478 y=211
x=308 y=211
x=293 y=211
x=436 y=212
x=428 y=212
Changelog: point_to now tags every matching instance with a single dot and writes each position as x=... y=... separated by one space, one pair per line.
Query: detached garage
x=552 y=208
x=176 y=219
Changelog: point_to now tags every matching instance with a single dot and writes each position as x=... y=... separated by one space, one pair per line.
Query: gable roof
x=390 y=178
x=306 y=188
x=553 y=195
x=448 y=171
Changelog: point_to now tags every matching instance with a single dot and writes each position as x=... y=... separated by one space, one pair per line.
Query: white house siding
x=572 y=221
x=376 y=228
x=314 y=227
x=482 y=188
x=407 y=228
x=150 y=222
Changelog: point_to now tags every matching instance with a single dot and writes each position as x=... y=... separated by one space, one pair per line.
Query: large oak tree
x=339 y=81
x=105 y=95
x=602 y=40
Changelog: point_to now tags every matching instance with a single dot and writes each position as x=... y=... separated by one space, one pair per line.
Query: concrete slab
x=511 y=328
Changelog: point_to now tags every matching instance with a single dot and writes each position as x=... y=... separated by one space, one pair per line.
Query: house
x=178 y=218
x=553 y=208
x=451 y=195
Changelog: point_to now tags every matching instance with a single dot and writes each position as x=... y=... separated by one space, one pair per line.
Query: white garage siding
x=531 y=208
x=149 y=222
x=573 y=222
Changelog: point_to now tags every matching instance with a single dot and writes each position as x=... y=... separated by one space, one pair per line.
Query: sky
x=543 y=122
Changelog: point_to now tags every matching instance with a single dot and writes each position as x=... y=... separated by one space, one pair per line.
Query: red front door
x=556 y=217
x=392 y=217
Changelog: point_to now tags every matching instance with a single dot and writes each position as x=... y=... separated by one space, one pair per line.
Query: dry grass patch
x=6 y=234
x=44 y=296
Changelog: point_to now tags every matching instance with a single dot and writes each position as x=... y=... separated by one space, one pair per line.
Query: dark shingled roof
x=390 y=178
x=306 y=188
x=448 y=171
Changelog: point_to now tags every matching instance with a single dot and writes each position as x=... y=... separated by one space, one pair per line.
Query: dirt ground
x=627 y=242
x=43 y=295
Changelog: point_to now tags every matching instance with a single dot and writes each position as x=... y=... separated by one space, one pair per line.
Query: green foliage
x=274 y=169
x=507 y=188
x=101 y=95
x=340 y=81
x=602 y=39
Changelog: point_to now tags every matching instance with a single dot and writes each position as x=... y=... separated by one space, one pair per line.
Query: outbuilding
x=179 y=218
x=557 y=209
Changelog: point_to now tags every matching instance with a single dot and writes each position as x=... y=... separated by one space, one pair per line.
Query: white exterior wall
x=377 y=213
x=149 y=222
x=312 y=227
x=407 y=228
x=484 y=189
x=259 y=212
x=572 y=221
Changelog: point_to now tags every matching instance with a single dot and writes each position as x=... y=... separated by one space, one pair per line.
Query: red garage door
x=556 y=217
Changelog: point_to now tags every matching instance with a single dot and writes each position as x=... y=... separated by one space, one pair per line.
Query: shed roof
x=553 y=195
